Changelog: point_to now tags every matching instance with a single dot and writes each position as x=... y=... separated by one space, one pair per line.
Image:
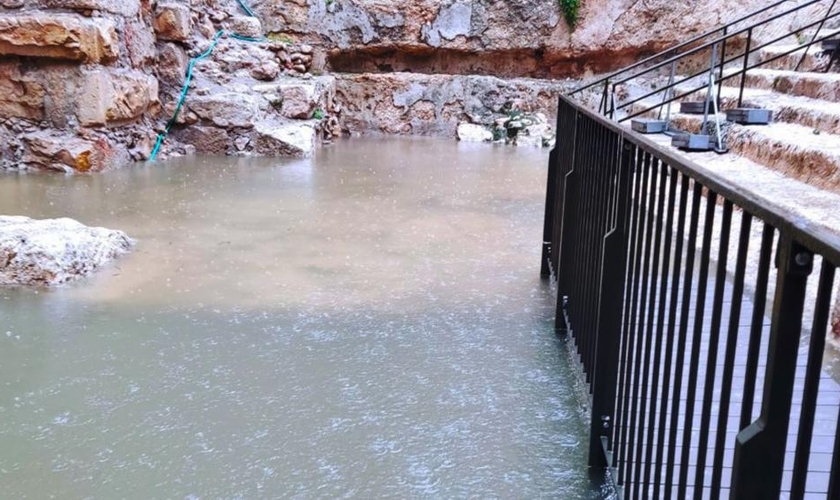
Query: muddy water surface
x=366 y=324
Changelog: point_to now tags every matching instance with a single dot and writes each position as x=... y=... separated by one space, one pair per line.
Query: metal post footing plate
x=695 y=108
x=693 y=142
x=648 y=125
x=749 y=116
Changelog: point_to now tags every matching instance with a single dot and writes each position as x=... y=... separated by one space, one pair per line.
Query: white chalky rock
x=470 y=132
x=54 y=251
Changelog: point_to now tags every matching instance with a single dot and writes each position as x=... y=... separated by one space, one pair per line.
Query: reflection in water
x=366 y=324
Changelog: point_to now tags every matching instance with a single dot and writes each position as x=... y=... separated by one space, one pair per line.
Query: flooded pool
x=366 y=324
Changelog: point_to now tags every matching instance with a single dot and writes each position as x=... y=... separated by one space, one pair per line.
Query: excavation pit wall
x=434 y=105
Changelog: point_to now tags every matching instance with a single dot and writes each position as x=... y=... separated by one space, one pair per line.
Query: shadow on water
x=367 y=324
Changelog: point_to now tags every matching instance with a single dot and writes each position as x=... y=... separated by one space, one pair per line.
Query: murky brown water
x=367 y=324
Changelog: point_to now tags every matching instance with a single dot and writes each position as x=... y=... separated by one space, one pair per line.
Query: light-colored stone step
x=816 y=114
x=814 y=59
x=814 y=85
x=789 y=149
x=772 y=188
x=793 y=150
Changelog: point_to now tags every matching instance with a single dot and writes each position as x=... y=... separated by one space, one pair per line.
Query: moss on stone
x=570 y=10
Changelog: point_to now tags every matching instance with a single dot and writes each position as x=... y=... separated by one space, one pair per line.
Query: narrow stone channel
x=369 y=323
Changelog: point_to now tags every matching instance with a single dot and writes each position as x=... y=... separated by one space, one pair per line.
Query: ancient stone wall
x=507 y=38
x=77 y=83
x=86 y=85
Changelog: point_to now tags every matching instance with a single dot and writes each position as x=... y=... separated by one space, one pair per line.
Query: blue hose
x=189 y=76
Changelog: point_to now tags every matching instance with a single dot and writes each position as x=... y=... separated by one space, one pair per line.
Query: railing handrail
x=686 y=43
x=722 y=77
x=726 y=38
x=816 y=238
x=609 y=106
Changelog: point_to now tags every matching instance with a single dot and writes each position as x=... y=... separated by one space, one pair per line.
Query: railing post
x=613 y=272
x=602 y=108
x=550 y=197
x=760 y=448
x=568 y=211
x=746 y=66
x=722 y=60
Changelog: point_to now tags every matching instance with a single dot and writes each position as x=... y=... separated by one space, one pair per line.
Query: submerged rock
x=55 y=251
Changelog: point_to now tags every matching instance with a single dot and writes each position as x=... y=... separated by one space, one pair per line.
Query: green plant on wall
x=570 y=10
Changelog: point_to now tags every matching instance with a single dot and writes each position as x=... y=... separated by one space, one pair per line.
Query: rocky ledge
x=55 y=251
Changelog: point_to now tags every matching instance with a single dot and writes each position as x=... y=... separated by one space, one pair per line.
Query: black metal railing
x=704 y=361
x=713 y=45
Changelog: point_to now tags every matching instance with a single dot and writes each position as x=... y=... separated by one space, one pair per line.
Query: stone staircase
x=803 y=141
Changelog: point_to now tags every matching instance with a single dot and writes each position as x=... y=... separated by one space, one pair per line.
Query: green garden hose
x=189 y=76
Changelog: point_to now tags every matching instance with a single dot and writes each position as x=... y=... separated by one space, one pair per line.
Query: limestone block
x=172 y=64
x=285 y=139
x=113 y=96
x=140 y=42
x=207 y=140
x=55 y=251
x=128 y=8
x=470 y=132
x=226 y=109
x=21 y=96
x=58 y=36
x=65 y=153
x=245 y=26
x=172 y=22
x=298 y=101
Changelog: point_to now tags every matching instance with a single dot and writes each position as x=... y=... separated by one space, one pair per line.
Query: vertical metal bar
x=729 y=356
x=566 y=158
x=834 y=475
x=651 y=344
x=760 y=448
x=655 y=395
x=710 y=90
x=592 y=249
x=548 y=221
x=757 y=324
x=722 y=59
x=669 y=95
x=699 y=316
x=609 y=169
x=711 y=356
x=578 y=287
x=681 y=340
x=813 y=370
x=744 y=69
x=669 y=348
x=602 y=108
x=613 y=272
x=568 y=239
x=640 y=343
x=633 y=327
x=627 y=341
x=606 y=159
